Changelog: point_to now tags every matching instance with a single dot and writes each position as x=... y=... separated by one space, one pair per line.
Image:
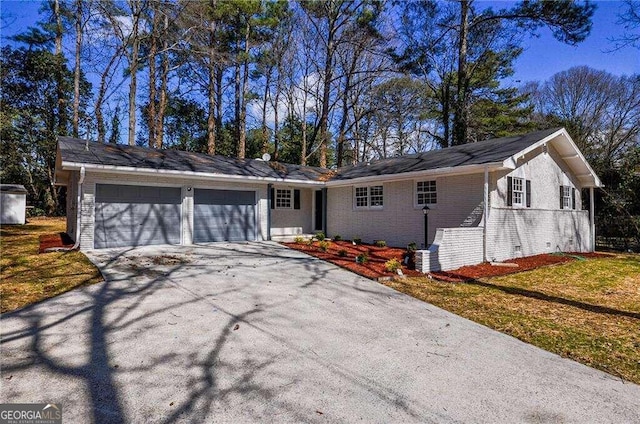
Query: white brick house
x=491 y=200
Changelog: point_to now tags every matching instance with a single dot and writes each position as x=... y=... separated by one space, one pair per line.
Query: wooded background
x=325 y=83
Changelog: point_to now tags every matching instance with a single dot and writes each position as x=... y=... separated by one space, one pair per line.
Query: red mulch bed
x=485 y=269
x=373 y=268
x=48 y=241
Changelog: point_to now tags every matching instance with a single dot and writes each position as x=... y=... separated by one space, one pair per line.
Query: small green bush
x=342 y=253
x=298 y=239
x=392 y=265
x=33 y=212
x=320 y=236
x=357 y=241
x=381 y=243
x=337 y=237
x=412 y=247
x=323 y=245
x=309 y=242
x=362 y=258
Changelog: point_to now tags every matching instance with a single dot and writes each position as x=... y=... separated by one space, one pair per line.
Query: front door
x=319 y=209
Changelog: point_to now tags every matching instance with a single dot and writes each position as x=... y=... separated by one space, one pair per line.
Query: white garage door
x=224 y=215
x=136 y=215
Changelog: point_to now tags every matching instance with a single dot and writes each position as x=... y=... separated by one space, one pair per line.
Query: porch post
x=269 y=200
x=592 y=218
x=485 y=218
x=324 y=211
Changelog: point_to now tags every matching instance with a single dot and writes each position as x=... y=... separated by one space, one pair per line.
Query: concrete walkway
x=257 y=332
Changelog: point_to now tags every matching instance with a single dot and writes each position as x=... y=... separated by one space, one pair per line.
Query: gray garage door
x=136 y=215
x=224 y=215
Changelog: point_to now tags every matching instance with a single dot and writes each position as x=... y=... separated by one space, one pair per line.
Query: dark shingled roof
x=12 y=188
x=490 y=151
x=495 y=150
x=74 y=150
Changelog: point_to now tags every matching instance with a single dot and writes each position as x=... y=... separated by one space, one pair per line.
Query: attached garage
x=128 y=215
x=224 y=215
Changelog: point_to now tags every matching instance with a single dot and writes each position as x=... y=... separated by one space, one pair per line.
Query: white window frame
x=566 y=197
x=520 y=184
x=417 y=193
x=289 y=197
x=379 y=202
x=365 y=194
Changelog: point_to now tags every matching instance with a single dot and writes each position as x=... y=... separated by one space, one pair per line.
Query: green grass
x=588 y=311
x=27 y=277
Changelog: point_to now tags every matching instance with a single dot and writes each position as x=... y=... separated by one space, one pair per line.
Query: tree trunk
x=162 y=103
x=101 y=95
x=62 y=111
x=276 y=124
x=59 y=30
x=343 y=125
x=211 y=88
x=76 y=71
x=356 y=141
x=242 y=139
x=326 y=91
x=446 y=98
x=265 y=100
x=153 y=52
x=219 y=93
x=133 y=70
x=461 y=113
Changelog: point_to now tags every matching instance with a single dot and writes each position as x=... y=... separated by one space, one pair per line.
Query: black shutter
x=296 y=199
x=273 y=198
x=561 y=202
x=509 y=191
x=573 y=198
x=528 y=188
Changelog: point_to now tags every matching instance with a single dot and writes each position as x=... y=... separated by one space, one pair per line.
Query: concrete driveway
x=257 y=332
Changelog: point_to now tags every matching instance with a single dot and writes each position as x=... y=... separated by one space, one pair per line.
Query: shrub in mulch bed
x=484 y=270
x=343 y=254
x=48 y=241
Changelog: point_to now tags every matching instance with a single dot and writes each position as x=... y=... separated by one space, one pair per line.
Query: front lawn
x=27 y=277
x=588 y=311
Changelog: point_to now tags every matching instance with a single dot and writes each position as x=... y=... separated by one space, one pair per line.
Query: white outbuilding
x=13 y=203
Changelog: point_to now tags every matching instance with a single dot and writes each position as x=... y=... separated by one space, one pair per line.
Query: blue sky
x=543 y=56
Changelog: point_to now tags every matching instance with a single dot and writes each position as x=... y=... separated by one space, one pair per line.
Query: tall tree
x=428 y=27
x=133 y=39
x=79 y=26
x=331 y=20
x=601 y=111
x=30 y=106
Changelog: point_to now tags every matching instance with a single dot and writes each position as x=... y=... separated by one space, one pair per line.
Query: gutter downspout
x=486 y=213
x=76 y=245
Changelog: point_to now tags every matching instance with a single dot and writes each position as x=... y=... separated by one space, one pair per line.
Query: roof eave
x=589 y=178
x=448 y=171
x=115 y=169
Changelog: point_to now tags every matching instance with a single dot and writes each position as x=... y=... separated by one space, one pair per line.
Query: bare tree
x=630 y=20
x=601 y=110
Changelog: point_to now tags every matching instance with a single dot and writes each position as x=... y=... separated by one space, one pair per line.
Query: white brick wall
x=400 y=222
x=293 y=221
x=547 y=173
x=516 y=231
x=451 y=249
x=93 y=178
x=513 y=233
